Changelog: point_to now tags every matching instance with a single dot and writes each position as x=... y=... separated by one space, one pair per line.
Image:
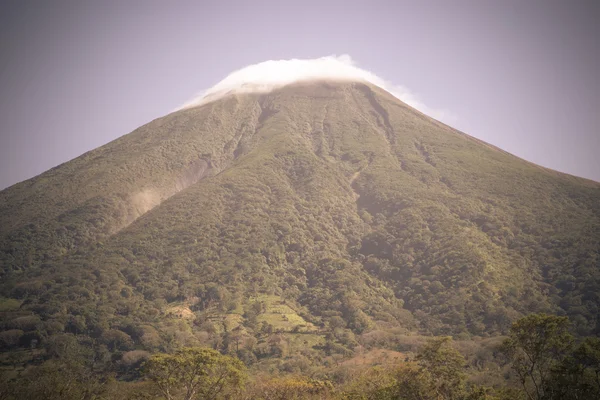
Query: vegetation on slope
x=540 y=350
x=293 y=229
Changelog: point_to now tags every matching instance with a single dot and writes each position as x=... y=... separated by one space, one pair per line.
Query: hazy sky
x=523 y=75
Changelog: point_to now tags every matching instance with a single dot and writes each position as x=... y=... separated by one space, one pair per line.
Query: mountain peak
x=269 y=75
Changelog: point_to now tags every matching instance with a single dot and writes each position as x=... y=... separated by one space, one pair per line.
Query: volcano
x=314 y=208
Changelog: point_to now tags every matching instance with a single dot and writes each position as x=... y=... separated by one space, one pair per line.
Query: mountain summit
x=274 y=74
x=317 y=208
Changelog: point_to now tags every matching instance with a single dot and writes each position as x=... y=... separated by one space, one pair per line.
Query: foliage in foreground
x=192 y=373
x=540 y=350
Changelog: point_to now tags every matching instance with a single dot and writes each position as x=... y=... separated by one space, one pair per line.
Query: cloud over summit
x=273 y=74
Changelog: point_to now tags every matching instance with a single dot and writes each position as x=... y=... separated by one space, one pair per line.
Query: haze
x=520 y=75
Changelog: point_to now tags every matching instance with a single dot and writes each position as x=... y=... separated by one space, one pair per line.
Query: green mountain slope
x=325 y=211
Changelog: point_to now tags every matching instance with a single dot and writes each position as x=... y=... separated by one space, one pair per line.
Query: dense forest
x=321 y=240
x=540 y=357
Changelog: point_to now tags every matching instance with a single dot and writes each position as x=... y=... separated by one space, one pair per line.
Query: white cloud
x=269 y=75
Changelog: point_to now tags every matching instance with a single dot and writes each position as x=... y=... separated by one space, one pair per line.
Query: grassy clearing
x=282 y=316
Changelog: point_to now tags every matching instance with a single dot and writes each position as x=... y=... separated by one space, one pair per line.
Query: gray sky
x=522 y=75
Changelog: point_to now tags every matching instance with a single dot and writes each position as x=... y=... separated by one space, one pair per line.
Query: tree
x=59 y=380
x=445 y=365
x=437 y=374
x=412 y=383
x=68 y=373
x=195 y=373
x=588 y=356
x=289 y=388
x=536 y=345
x=336 y=322
x=578 y=376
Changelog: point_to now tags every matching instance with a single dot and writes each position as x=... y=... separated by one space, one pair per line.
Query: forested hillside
x=299 y=231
